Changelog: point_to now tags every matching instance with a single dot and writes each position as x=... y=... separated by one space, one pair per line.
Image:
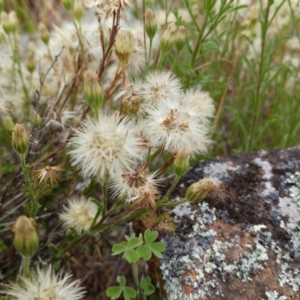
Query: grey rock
x=243 y=241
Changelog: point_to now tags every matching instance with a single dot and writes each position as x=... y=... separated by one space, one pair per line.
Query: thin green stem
x=166 y=197
x=150 y=52
x=135 y=271
x=171 y=203
x=29 y=185
x=25 y=265
x=261 y=74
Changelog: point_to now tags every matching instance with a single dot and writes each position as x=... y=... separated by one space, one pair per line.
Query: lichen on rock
x=243 y=241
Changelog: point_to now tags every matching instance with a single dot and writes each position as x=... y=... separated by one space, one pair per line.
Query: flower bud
x=5 y=22
x=150 y=23
x=181 y=162
x=30 y=63
x=179 y=38
x=78 y=11
x=9 y=22
x=20 y=140
x=7 y=121
x=198 y=191
x=124 y=46
x=167 y=39
x=131 y=104
x=26 y=240
x=44 y=33
x=93 y=92
x=67 y=4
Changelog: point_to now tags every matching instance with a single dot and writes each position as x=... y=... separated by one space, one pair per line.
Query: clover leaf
x=114 y=292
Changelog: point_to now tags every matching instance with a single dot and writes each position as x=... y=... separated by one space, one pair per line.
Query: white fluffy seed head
x=159 y=86
x=174 y=126
x=79 y=214
x=44 y=284
x=128 y=184
x=105 y=147
x=201 y=103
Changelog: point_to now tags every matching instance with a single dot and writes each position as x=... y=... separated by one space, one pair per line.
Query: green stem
x=135 y=272
x=261 y=74
x=150 y=50
x=29 y=185
x=17 y=60
x=25 y=265
x=173 y=203
x=166 y=197
x=199 y=39
x=105 y=196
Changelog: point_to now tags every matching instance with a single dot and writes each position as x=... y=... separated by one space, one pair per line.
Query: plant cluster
x=101 y=101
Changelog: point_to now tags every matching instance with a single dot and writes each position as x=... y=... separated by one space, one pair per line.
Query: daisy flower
x=44 y=284
x=159 y=85
x=105 y=147
x=79 y=214
x=173 y=125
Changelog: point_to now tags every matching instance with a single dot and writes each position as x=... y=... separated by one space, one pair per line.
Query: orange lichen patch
x=188 y=289
x=191 y=273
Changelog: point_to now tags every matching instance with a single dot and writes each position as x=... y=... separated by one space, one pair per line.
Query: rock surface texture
x=243 y=241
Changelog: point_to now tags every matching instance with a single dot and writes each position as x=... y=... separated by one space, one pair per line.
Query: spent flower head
x=48 y=173
x=159 y=86
x=79 y=214
x=128 y=184
x=105 y=147
x=44 y=284
x=172 y=126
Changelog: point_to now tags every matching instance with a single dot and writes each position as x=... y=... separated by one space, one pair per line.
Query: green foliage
x=147 y=286
x=2 y=245
x=135 y=248
x=114 y=292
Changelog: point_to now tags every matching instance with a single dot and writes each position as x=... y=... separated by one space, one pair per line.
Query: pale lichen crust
x=243 y=241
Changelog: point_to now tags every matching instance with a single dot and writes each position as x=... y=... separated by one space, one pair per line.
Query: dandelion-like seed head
x=159 y=86
x=201 y=103
x=79 y=214
x=105 y=147
x=128 y=184
x=146 y=196
x=171 y=125
x=45 y=285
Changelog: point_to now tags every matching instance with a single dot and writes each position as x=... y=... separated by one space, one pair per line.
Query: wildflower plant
x=104 y=102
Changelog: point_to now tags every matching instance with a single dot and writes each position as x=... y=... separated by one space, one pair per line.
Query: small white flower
x=79 y=214
x=45 y=285
x=174 y=126
x=159 y=86
x=105 y=147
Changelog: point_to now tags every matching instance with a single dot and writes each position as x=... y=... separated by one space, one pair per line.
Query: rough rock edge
x=243 y=241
